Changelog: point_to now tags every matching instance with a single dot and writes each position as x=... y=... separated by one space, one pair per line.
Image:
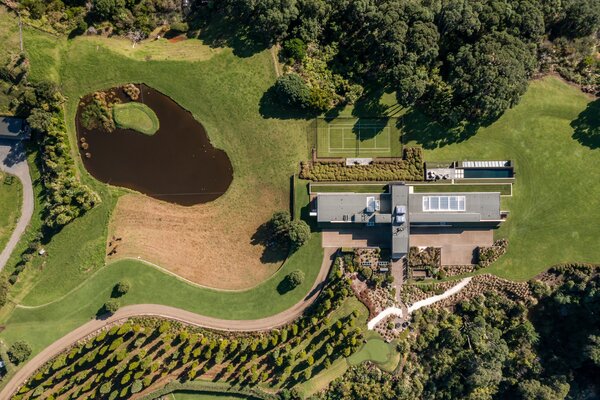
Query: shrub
x=111 y=306
x=294 y=49
x=410 y=168
x=180 y=26
x=121 y=288
x=366 y=273
x=295 y=278
x=298 y=233
x=19 y=352
x=136 y=386
x=291 y=90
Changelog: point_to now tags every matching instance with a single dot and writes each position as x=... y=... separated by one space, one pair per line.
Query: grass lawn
x=42 y=325
x=187 y=395
x=504 y=189
x=136 y=116
x=11 y=197
x=375 y=350
x=554 y=196
x=359 y=188
x=358 y=137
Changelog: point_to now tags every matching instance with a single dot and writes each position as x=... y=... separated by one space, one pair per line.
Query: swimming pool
x=488 y=173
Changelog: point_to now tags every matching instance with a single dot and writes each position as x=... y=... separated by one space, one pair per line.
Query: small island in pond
x=136 y=137
x=135 y=116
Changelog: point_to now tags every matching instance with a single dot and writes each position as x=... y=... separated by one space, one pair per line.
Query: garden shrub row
x=409 y=168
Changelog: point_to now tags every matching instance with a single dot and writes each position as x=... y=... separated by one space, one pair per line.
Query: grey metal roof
x=348 y=207
x=400 y=231
x=479 y=206
x=12 y=127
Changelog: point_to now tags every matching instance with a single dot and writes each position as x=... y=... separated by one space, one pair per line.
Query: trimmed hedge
x=409 y=168
x=206 y=387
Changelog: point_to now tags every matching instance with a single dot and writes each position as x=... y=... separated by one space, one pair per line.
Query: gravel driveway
x=13 y=160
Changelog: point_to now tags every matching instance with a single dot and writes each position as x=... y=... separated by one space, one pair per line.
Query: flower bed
x=409 y=168
x=487 y=255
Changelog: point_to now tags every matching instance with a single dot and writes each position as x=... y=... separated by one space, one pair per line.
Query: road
x=13 y=160
x=177 y=314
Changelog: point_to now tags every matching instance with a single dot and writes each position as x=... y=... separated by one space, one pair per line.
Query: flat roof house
x=402 y=209
x=13 y=128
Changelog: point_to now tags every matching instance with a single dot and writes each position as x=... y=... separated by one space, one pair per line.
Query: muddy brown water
x=177 y=164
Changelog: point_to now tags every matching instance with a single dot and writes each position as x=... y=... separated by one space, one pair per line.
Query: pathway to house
x=426 y=302
x=13 y=159
x=173 y=313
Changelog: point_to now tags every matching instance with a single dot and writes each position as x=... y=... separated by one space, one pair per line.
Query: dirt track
x=171 y=313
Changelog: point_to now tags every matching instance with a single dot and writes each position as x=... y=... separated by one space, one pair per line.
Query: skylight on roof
x=443 y=203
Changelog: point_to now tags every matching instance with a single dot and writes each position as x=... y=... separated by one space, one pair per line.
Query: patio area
x=458 y=245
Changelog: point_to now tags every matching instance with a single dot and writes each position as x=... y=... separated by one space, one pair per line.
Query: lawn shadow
x=587 y=126
x=271 y=107
x=273 y=250
x=419 y=128
x=371 y=115
x=221 y=31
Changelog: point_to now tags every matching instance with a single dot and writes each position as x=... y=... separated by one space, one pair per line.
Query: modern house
x=401 y=209
x=13 y=128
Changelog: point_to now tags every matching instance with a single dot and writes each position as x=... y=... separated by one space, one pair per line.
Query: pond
x=177 y=164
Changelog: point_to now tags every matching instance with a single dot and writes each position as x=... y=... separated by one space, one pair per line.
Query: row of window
x=443 y=203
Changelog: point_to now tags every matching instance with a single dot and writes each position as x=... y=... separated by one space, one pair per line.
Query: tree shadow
x=221 y=31
x=271 y=107
x=587 y=126
x=422 y=130
x=273 y=250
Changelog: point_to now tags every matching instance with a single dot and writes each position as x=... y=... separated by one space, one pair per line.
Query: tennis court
x=353 y=137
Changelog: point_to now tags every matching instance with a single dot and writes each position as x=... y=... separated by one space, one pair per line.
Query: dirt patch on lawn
x=211 y=244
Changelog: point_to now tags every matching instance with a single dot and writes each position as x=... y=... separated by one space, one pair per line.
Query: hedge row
x=207 y=387
x=409 y=168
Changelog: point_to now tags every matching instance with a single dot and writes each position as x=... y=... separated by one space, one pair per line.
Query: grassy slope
x=233 y=122
x=41 y=326
x=11 y=197
x=553 y=204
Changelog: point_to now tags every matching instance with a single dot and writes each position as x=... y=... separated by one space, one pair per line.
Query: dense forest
x=495 y=348
x=457 y=60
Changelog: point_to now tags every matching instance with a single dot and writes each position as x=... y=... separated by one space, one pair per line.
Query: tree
x=136 y=386
x=105 y=9
x=19 y=351
x=291 y=90
x=280 y=223
x=294 y=49
x=298 y=233
x=111 y=306
x=39 y=120
x=295 y=278
x=489 y=76
x=121 y=288
x=582 y=18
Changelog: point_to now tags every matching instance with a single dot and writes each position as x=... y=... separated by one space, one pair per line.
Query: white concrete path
x=426 y=302
x=13 y=159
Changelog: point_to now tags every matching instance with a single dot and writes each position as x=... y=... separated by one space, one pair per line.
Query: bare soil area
x=208 y=244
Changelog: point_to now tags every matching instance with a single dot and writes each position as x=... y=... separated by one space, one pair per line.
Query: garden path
x=426 y=302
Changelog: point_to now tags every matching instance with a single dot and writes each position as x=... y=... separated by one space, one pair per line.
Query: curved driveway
x=173 y=313
x=13 y=159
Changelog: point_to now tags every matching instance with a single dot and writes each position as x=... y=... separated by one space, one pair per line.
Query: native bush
x=19 y=351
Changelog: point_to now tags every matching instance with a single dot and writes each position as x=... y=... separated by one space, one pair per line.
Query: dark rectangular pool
x=488 y=173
